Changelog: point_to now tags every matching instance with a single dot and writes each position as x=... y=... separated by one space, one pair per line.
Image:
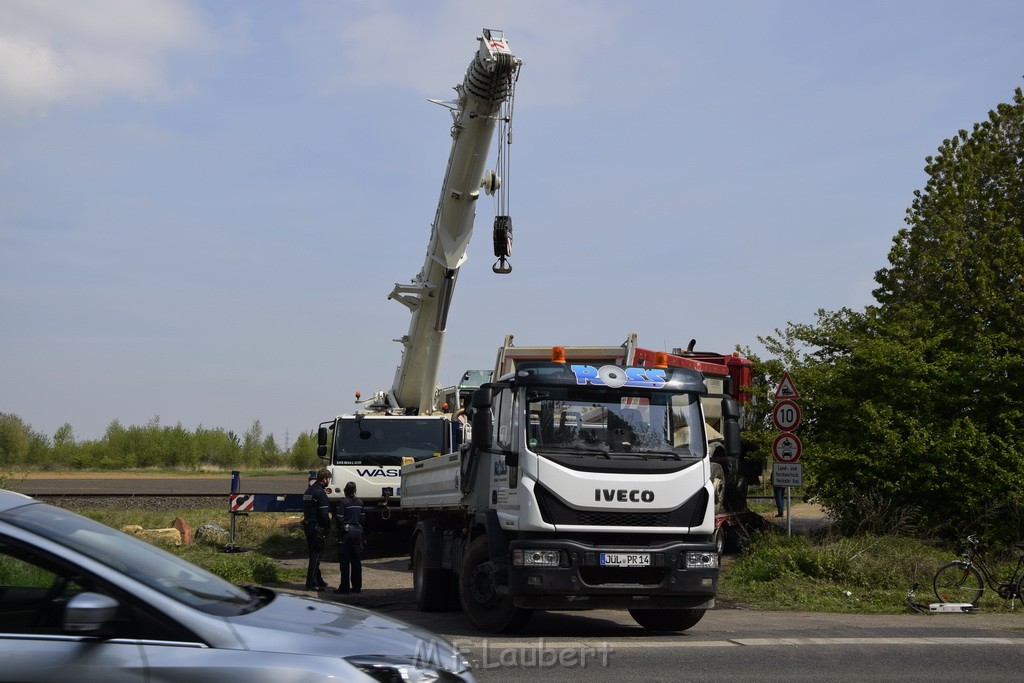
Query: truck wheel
x=430 y=585
x=487 y=608
x=667 y=619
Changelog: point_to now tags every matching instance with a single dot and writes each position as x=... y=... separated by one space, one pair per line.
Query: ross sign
x=787 y=389
x=786 y=416
x=787 y=447
x=787 y=474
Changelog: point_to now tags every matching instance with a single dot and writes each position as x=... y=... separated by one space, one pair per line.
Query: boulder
x=169 y=536
x=212 y=533
x=186 y=531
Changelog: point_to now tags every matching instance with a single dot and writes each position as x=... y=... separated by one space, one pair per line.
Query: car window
x=144 y=562
x=35 y=587
x=33 y=593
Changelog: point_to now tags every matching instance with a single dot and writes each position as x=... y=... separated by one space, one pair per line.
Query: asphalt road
x=729 y=643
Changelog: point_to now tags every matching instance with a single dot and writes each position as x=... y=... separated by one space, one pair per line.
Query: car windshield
x=584 y=420
x=142 y=561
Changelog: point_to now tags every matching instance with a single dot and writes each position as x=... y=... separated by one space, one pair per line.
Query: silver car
x=80 y=601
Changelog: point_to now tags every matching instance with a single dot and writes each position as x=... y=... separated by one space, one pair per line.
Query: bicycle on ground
x=964 y=581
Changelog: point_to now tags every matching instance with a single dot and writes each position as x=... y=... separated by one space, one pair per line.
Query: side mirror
x=731 y=422
x=483 y=427
x=483 y=398
x=89 y=613
x=321 y=442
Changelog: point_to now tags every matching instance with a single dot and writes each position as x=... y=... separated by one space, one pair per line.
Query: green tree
x=64 y=447
x=218 y=448
x=252 y=445
x=20 y=444
x=271 y=451
x=14 y=440
x=917 y=402
x=302 y=455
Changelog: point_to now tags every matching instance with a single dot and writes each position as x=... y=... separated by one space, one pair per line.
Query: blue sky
x=204 y=205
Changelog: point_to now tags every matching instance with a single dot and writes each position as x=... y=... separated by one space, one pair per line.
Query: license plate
x=626 y=559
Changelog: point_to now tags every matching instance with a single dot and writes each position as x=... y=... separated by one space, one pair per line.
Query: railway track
x=118 y=490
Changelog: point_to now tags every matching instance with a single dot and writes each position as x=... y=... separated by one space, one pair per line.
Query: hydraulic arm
x=482 y=106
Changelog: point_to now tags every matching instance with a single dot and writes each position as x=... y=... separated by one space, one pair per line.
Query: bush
x=772 y=556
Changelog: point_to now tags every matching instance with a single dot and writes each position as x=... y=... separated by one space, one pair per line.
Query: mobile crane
x=406 y=424
x=595 y=477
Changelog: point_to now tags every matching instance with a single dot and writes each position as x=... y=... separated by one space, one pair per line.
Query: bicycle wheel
x=1020 y=588
x=958 y=582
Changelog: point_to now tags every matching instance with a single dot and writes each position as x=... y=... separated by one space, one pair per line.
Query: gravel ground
x=134 y=503
x=387 y=577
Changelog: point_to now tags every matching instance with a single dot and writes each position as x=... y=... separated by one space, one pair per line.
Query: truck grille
x=554 y=511
x=622 y=518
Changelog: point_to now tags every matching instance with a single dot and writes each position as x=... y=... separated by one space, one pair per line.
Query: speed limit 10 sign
x=786 y=416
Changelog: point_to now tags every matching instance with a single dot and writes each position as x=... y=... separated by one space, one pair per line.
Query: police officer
x=349 y=517
x=316 y=522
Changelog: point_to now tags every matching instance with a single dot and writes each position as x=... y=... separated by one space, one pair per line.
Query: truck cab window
x=506 y=420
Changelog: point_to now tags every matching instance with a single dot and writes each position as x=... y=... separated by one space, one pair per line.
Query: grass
x=264 y=537
x=863 y=575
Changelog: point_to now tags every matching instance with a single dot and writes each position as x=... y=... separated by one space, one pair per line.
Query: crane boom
x=478 y=109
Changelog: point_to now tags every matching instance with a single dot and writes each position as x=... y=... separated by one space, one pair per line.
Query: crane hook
x=502 y=244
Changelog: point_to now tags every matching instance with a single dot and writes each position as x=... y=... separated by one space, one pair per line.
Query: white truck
x=410 y=422
x=586 y=483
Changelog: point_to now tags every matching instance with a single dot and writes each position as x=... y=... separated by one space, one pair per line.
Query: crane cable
x=505 y=141
x=502 y=219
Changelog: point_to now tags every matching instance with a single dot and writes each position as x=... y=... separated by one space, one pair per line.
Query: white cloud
x=81 y=52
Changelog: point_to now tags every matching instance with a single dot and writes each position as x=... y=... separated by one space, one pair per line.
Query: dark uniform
x=316 y=522
x=349 y=517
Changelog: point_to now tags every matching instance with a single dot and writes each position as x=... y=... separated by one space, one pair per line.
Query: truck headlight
x=701 y=560
x=536 y=558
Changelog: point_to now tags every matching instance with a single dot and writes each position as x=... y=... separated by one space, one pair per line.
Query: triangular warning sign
x=786 y=388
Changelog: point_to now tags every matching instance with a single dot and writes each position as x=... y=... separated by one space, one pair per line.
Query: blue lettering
x=615 y=377
x=635 y=375
x=657 y=377
x=586 y=374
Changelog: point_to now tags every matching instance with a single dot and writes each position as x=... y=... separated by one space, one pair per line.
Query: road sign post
x=787 y=471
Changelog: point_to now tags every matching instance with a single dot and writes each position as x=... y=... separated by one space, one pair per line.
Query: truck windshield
x=659 y=424
x=387 y=441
